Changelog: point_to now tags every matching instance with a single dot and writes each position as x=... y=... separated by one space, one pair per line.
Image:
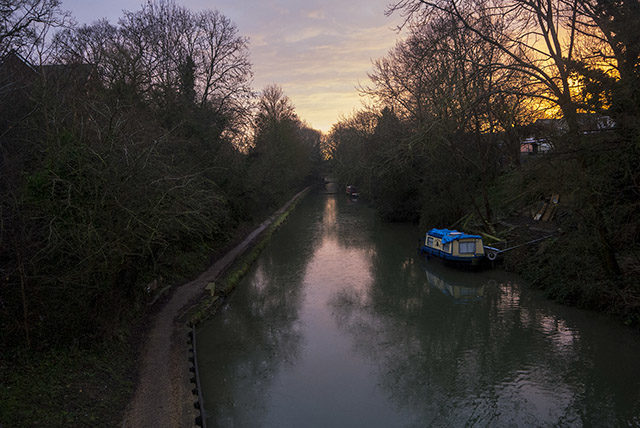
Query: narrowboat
x=352 y=191
x=454 y=246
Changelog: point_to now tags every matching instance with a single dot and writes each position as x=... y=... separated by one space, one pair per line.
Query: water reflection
x=509 y=358
x=458 y=288
x=254 y=336
x=341 y=323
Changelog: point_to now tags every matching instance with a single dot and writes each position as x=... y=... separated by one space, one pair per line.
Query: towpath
x=163 y=395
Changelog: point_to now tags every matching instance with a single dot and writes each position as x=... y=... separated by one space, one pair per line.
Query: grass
x=239 y=268
x=68 y=387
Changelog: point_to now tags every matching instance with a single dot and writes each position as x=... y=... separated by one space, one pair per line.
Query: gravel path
x=163 y=396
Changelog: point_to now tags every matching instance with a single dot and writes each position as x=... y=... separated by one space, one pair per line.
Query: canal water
x=341 y=323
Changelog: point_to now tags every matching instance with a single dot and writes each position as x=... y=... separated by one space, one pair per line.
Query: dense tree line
x=129 y=154
x=452 y=103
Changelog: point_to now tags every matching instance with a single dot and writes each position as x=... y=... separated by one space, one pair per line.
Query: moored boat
x=352 y=191
x=455 y=246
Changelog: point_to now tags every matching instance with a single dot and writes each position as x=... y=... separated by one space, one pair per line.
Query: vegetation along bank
x=127 y=165
x=484 y=113
x=129 y=161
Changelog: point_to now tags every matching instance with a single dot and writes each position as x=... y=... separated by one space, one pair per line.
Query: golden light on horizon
x=320 y=58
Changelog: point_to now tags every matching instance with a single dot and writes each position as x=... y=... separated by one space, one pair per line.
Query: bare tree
x=282 y=155
x=610 y=57
x=540 y=42
x=25 y=23
x=274 y=106
x=612 y=26
x=536 y=39
x=224 y=66
x=152 y=50
x=348 y=131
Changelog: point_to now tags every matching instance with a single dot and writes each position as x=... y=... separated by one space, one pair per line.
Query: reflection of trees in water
x=347 y=221
x=249 y=341
x=502 y=359
x=506 y=358
x=259 y=332
x=260 y=337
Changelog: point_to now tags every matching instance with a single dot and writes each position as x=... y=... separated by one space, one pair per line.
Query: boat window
x=467 y=247
x=447 y=247
x=430 y=241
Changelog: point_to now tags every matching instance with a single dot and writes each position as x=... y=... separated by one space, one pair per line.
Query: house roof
x=13 y=59
x=16 y=71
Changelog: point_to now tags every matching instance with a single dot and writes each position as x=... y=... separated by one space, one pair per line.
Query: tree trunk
x=609 y=261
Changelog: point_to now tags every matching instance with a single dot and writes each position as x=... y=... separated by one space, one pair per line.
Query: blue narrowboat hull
x=448 y=257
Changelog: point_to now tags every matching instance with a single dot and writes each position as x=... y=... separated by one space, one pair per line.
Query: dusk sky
x=318 y=51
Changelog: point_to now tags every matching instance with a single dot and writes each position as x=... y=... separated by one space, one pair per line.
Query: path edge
x=164 y=392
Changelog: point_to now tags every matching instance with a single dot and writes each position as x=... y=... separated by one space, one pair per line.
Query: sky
x=317 y=51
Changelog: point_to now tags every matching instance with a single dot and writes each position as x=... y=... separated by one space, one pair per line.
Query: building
x=545 y=131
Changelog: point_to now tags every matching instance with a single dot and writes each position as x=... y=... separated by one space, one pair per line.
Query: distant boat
x=352 y=191
x=454 y=246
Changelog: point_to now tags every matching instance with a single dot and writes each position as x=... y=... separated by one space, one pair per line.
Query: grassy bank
x=70 y=387
x=568 y=272
x=573 y=267
x=225 y=285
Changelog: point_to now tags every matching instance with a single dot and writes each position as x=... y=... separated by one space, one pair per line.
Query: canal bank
x=341 y=323
x=163 y=395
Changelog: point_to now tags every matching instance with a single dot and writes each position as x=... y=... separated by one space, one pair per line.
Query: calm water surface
x=342 y=324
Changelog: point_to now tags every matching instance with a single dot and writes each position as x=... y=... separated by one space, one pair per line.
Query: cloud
x=306 y=34
x=320 y=67
x=316 y=14
x=318 y=51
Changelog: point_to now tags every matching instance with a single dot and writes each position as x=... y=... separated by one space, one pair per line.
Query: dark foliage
x=455 y=100
x=124 y=176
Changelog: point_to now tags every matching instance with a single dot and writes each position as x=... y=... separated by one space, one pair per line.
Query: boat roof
x=450 y=235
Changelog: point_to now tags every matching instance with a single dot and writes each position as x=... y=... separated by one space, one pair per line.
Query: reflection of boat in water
x=461 y=286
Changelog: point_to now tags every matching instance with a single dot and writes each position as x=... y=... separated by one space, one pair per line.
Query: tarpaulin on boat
x=450 y=235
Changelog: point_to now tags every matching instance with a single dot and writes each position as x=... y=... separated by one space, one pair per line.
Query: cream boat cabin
x=453 y=246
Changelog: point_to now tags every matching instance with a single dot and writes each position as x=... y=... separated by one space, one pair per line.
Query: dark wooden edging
x=201 y=420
